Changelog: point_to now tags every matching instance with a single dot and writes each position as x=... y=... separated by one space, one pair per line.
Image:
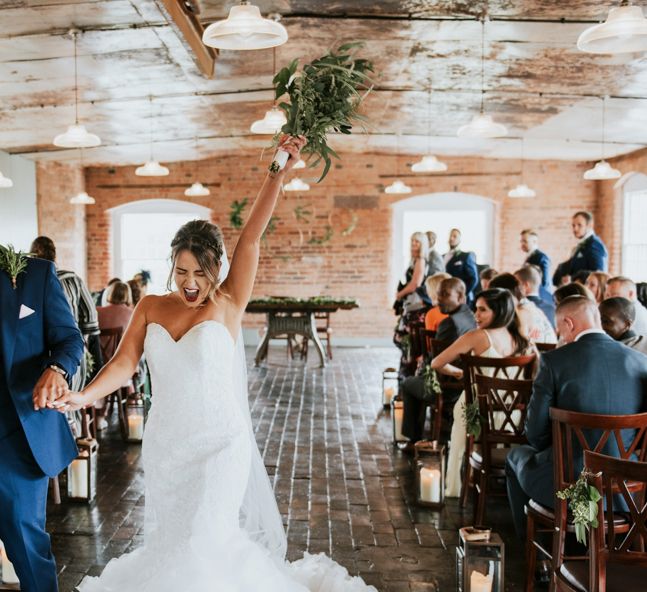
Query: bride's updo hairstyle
x=204 y=241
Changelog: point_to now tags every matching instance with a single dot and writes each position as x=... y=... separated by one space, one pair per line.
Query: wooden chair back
x=625 y=479
x=436 y=347
x=110 y=339
x=418 y=342
x=545 y=347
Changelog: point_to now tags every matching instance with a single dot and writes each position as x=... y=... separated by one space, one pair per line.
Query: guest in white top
x=623 y=287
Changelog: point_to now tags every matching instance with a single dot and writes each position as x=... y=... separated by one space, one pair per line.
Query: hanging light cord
x=150 y=125
x=482 y=62
x=604 y=114
x=76 y=82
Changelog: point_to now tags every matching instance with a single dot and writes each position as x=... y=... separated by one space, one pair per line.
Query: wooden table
x=294 y=316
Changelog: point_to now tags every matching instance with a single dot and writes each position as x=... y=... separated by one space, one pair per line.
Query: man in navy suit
x=530 y=246
x=592 y=373
x=461 y=265
x=590 y=254
x=40 y=348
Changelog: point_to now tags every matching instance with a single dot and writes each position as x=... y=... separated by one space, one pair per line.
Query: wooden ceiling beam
x=182 y=15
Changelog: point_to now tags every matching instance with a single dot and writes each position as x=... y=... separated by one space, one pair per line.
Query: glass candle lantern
x=397 y=415
x=480 y=561
x=82 y=472
x=390 y=386
x=8 y=574
x=430 y=474
x=135 y=417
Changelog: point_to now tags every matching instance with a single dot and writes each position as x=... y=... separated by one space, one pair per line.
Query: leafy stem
x=472 y=419
x=583 y=503
x=12 y=262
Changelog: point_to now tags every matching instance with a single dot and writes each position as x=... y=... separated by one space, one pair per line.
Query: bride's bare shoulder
x=152 y=305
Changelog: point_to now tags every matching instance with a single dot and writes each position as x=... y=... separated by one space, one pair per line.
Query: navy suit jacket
x=49 y=335
x=592 y=375
x=463 y=266
x=590 y=256
x=541 y=260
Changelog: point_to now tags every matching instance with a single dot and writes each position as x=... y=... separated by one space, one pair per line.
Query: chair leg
x=121 y=412
x=328 y=346
x=531 y=553
x=481 y=496
x=467 y=472
x=55 y=490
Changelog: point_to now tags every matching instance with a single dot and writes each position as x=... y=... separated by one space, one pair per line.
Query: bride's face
x=190 y=279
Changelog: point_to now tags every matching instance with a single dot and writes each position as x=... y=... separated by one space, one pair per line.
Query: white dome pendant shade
x=77 y=136
x=272 y=123
x=602 y=171
x=296 y=185
x=197 y=190
x=397 y=188
x=5 y=182
x=152 y=168
x=429 y=164
x=624 y=31
x=245 y=29
x=522 y=191
x=300 y=164
x=482 y=126
x=82 y=199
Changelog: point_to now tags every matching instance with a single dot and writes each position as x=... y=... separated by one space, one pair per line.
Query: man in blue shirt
x=530 y=246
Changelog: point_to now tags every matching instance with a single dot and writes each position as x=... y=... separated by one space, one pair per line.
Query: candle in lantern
x=480 y=582
x=8 y=572
x=135 y=427
x=429 y=485
x=389 y=393
x=398 y=415
x=78 y=475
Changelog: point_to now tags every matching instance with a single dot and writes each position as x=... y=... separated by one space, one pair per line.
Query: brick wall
x=57 y=218
x=355 y=264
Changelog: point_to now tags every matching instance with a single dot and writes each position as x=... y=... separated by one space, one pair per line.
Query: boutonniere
x=12 y=262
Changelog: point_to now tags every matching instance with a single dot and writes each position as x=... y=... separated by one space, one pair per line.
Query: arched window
x=473 y=215
x=634 y=234
x=142 y=233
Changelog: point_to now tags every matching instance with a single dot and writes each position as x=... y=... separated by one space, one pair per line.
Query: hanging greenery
x=236 y=213
x=583 y=503
x=322 y=240
x=432 y=384
x=324 y=97
x=302 y=214
x=351 y=227
x=12 y=262
x=472 y=419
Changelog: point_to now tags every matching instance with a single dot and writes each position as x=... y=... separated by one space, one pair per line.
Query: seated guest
x=486 y=276
x=589 y=254
x=597 y=284
x=530 y=282
x=592 y=373
x=498 y=336
x=434 y=315
x=572 y=289
x=618 y=317
x=459 y=320
x=535 y=326
x=101 y=297
x=461 y=265
x=626 y=288
x=137 y=291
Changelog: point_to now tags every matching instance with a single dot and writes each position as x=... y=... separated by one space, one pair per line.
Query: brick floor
x=340 y=485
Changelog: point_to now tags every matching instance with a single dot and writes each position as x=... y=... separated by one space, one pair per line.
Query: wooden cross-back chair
x=617 y=559
x=503 y=404
x=621 y=436
x=110 y=339
x=448 y=384
x=513 y=367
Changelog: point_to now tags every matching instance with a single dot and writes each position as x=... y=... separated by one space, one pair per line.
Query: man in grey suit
x=592 y=373
x=435 y=263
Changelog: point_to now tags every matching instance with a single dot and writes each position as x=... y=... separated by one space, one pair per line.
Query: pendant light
x=296 y=185
x=76 y=135
x=5 y=182
x=243 y=29
x=300 y=164
x=197 y=189
x=82 y=198
x=429 y=163
x=602 y=169
x=397 y=187
x=151 y=168
x=482 y=125
x=522 y=191
x=274 y=119
x=624 y=31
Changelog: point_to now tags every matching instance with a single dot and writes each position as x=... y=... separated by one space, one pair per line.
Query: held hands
x=50 y=387
x=71 y=401
x=293 y=146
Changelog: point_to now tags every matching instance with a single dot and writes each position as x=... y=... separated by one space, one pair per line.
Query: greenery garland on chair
x=583 y=503
x=472 y=419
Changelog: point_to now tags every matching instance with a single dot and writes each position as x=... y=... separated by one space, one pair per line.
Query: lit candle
x=135 y=427
x=389 y=393
x=78 y=475
x=480 y=582
x=8 y=572
x=398 y=415
x=430 y=485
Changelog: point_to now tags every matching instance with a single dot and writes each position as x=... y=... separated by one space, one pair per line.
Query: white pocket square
x=25 y=311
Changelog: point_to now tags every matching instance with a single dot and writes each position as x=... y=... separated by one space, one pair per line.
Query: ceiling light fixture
x=197 y=190
x=244 y=29
x=82 y=199
x=76 y=135
x=151 y=168
x=602 y=169
x=5 y=182
x=397 y=188
x=624 y=31
x=429 y=163
x=482 y=125
x=522 y=191
x=300 y=164
x=296 y=185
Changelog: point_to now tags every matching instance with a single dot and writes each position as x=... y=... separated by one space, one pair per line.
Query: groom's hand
x=50 y=386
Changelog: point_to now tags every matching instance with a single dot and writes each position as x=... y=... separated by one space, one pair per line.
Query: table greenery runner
x=296 y=302
x=12 y=262
x=324 y=97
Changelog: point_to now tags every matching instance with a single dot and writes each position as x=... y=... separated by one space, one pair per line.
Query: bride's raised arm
x=240 y=280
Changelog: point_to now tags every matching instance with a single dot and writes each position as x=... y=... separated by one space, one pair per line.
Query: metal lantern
x=480 y=561
x=135 y=418
x=82 y=472
x=430 y=474
x=390 y=386
x=397 y=415
x=8 y=578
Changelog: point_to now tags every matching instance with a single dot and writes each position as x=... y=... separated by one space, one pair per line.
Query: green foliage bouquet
x=323 y=98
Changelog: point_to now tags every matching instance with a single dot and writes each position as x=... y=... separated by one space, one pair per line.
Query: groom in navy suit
x=40 y=349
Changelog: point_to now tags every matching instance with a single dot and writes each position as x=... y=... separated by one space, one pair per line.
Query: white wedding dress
x=197 y=452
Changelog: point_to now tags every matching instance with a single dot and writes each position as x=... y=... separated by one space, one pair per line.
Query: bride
x=211 y=520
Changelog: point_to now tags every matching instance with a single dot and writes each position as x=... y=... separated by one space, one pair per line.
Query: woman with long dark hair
x=498 y=335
